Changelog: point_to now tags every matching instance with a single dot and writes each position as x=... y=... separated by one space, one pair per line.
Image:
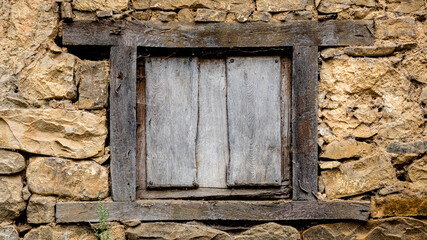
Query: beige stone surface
x=416 y=65
x=417 y=171
x=49 y=76
x=104 y=5
x=335 y=6
x=11 y=201
x=174 y=231
x=206 y=15
x=367 y=91
x=329 y=164
x=236 y=6
x=346 y=149
x=185 y=15
x=356 y=177
x=41 y=209
x=167 y=16
x=71 y=232
x=400 y=29
x=385 y=229
x=93 y=80
x=369 y=51
x=331 y=52
x=261 y=16
x=270 y=231
x=11 y=162
x=8 y=233
x=282 y=5
x=405 y=6
x=67 y=178
x=411 y=202
x=55 y=132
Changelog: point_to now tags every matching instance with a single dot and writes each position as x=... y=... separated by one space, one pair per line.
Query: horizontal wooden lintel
x=219 y=35
x=183 y=210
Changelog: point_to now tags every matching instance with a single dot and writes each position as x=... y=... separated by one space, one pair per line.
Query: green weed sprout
x=102 y=231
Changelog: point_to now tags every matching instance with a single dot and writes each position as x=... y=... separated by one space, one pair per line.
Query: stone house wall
x=372 y=112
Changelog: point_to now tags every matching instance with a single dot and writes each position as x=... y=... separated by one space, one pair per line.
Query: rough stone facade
x=372 y=117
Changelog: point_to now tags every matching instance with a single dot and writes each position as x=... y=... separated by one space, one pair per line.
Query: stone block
x=399 y=204
x=185 y=15
x=103 y=5
x=417 y=147
x=11 y=201
x=71 y=232
x=11 y=162
x=8 y=233
x=405 y=6
x=41 y=209
x=294 y=16
x=359 y=176
x=401 y=29
x=50 y=76
x=206 y=15
x=167 y=16
x=335 y=6
x=174 y=231
x=385 y=229
x=282 y=5
x=93 y=79
x=416 y=65
x=369 y=51
x=417 y=171
x=82 y=180
x=270 y=231
x=261 y=16
x=141 y=4
x=54 y=132
x=346 y=149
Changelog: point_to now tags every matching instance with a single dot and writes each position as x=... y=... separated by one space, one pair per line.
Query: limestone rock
x=395 y=188
x=104 y=14
x=402 y=29
x=335 y=6
x=385 y=229
x=143 y=16
x=175 y=231
x=8 y=233
x=41 y=209
x=206 y=15
x=103 y=5
x=294 y=16
x=167 y=16
x=185 y=15
x=283 y=5
x=360 y=176
x=418 y=147
x=405 y=6
x=141 y=4
x=48 y=77
x=55 y=132
x=329 y=164
x=261 y=16
x=346 y=149
x=407 y=203
x=67 y=178
x=71 y=232
x=416 y=65
x=369 y=51
x=417 y=171
x=270 y=231
x=331 y=52
x=93 y=80
x=236 y=6
x=11 y=162
x=11 y=201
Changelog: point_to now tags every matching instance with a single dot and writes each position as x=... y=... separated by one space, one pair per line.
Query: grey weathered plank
x=141 y=154
x=282 y=192
x=175 y=210
x=304 y=122
x=176 y=35
x=286 y=106
x=171 y=121
x=212 y=137
x=253 y=94
x=123 y=122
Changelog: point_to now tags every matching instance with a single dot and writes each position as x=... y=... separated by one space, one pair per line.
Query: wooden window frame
x=303 y=36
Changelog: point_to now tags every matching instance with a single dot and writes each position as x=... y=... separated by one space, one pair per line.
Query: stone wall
x=372 y=112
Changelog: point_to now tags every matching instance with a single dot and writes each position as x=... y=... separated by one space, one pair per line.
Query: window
x=259 y=97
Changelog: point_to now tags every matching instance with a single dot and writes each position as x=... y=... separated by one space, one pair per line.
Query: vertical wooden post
x=304 y=122
x=123 y=122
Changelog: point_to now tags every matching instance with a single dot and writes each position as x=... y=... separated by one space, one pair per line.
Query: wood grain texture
x=214 y=35
x=141 y=154
x=123 y=122
x=212 y=137
x=286 y=110
x=304 y=122
x=184 y=210
x=282 y=192
x=171 y=124
x=253 y=94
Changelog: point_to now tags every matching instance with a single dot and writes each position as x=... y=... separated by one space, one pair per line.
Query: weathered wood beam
x=175 y=210
x=123 y=122
x=304 y=122
x=219 y=35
